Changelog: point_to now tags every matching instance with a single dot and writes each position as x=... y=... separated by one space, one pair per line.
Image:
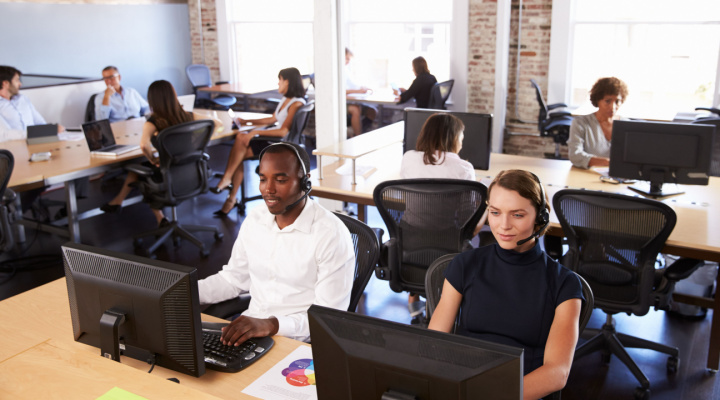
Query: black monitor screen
x=361 y=357
x=136 y=307
x=661 y=153
x=478 y=134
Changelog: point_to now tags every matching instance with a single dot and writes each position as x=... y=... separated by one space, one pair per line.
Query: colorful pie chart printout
x=300 y=372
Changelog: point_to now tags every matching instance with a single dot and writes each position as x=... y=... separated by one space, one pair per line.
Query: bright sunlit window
x=386 y=36
x=666 y=51
x=267 y=36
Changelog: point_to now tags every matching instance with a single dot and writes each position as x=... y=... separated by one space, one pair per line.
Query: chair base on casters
x=611 y=342
x=175 y=231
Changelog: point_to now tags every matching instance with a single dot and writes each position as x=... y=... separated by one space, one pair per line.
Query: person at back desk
x=117 y=102
x=591 y=135
x=358 y=113
x=421 y=87
x=290 y=254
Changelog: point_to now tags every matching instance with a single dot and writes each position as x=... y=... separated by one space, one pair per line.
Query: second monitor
x=478 y=132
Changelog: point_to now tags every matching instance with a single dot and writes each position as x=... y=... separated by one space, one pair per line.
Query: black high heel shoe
x=216 y=190
x=111 y=208
x=222 y=214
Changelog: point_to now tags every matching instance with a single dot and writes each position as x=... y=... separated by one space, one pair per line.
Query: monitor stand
x=109 y=334
x=654 y=189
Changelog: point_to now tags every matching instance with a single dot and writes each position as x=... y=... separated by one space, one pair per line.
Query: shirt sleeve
x=576 y=143
x=7 y=134
x=336 y=268
x=37 y=117
x=569 y=286
x=411 y=92
x=454 y=274
x=231 y=281
x=101 y=111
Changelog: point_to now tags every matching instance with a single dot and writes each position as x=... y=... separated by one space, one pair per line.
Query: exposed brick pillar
x=203 y=35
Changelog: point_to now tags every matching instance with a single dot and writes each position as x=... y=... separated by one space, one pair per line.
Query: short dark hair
x=302 y=155
x=420 y=66
x=7 y=73
x=111 y=68
x=526 y=184
x=439 y=133
x=608 y=87
x=295 y=84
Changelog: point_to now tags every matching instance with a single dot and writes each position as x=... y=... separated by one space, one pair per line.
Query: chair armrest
x=556 y=105
x=712 y=110
x=682 y=268
x=221 y=82
x=383 y=268
x=139 y=169
x=8 y=197
x=559 y=114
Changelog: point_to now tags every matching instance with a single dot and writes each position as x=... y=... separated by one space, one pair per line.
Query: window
x=267 y=36
x=386 y=36
x=666 y=51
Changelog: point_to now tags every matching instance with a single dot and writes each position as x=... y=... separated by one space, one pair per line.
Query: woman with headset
x=511 y=292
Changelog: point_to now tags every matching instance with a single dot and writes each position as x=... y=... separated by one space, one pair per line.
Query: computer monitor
x=137 y=307
x=659 y=153
x=478 y=134
x=361 y=357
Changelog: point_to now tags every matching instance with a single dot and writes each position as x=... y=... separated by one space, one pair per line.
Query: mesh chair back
x=183 y=161
x=613 y=243
x=300 y=120
x=90 y=109
x=715 y=161
x=367 y=251
x=434 y=281
x=439 y=94
x=7 y=163
x=199 y=75
x=542 y=113
x=426 y=218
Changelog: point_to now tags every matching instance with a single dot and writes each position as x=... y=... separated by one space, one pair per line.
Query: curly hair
x=608 y=87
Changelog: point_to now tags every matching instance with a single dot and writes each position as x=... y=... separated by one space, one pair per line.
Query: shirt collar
x=303 y=222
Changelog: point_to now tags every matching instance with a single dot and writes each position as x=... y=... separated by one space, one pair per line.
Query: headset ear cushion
x=307 y=185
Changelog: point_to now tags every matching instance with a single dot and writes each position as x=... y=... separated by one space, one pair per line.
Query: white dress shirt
x=16 y=115
x=129 y=104
x=311 y=261
x=452 y=167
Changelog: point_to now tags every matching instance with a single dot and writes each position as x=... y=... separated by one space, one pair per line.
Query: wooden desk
x=375 y=96
x=40 y=359
x=72 y=160
x=696 y=234
x=361 y=145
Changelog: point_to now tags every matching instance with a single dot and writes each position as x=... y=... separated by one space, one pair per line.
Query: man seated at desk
x=16 y=110
x=357 y=111
x=118 y=103
x=289 y=255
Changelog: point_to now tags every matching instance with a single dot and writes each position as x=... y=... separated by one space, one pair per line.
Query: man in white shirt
x=16 y=110
x=356 y=111
x=117 y=102
x=289 y=255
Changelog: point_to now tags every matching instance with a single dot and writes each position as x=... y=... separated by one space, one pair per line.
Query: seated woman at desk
x=166 y=112
x=591 y=135
x=438 y=145
x=511 y=292
x=291 y=87
x=421 y=86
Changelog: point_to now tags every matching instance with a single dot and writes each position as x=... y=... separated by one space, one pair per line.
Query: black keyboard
x=232 y=358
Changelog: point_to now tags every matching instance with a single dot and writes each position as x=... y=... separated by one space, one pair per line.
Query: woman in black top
x=421 y=86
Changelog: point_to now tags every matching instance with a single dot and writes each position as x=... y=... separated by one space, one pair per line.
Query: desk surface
x=376 y=96
x=364 y=144
x=40 y=359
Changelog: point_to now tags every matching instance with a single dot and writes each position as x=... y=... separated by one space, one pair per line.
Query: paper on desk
x=293 y=378
x=71 y=136
x=360 y=169
x=119 y=394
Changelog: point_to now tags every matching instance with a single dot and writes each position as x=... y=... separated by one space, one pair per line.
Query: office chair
x=426 y=218
x=552 y=123
x=184 y=168
x=714 y=111
x=90 y=109
x=614 y=241
x=258 y=143
x=199 y=76
x=439 y=94
x=7 y=201
x=715 y=160
x=367 y=251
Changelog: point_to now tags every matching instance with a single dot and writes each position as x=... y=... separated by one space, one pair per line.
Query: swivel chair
x=199 y=76
x=258 y=143
x=426 y=218
x=185 y=172
x=367 y=252
x=552 y=123
x=614 y=241
x=715 y=113
x=439 y=94
x=7 y=201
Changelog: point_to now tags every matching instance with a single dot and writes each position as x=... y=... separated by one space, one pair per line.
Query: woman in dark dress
x=421 y=86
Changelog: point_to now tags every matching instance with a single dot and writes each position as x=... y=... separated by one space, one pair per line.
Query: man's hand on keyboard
x=244 y=328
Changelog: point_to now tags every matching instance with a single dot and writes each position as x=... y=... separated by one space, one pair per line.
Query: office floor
x=589 y=378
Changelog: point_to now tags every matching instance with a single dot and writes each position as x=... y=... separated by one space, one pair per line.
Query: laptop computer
x=42 y=133
x=187 y=102
x=101 y=141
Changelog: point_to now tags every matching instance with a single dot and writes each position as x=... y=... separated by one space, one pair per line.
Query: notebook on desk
x=101 y=141
x=42 y=133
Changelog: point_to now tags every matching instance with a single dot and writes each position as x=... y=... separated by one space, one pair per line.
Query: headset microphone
x=296 y=202
x=543 y=217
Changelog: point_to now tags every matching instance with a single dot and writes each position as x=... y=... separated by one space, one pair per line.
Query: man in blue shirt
x=16 y=110
x=118 y=103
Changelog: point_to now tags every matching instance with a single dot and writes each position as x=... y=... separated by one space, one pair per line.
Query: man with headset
x=289 y=255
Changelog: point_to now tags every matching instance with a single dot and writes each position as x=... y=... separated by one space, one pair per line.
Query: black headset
x=305 y=184
x=543 y=216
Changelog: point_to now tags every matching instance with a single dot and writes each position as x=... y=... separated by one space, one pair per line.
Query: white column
x=329 y=57
x=502 y=50
x=459 y=54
